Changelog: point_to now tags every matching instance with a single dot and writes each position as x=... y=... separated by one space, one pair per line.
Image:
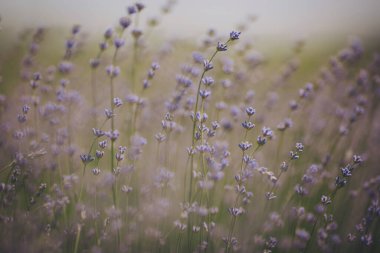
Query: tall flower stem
x=94 y=95
x=207 y=66
x=195 y=122
x=193 y=140
x=112 y=151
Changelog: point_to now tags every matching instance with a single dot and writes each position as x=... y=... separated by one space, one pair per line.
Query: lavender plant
x=236 y=152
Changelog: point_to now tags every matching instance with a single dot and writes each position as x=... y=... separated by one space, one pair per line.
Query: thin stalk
x=94 y=96
x=240 y=183
x=79 y=229
x=85 y=165
x=134 y=64
x=178 y=245
x=112 y=151
x=69 y=137
x=96 y=221
x=280 y=143
x=193 y=140
x=195 y=125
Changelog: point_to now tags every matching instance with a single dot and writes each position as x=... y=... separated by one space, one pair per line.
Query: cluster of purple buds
x=184 y=81
x=207 y=80
x=99 y=154
x=204 y=93
x=236 y=211
x=22 y=117
x=248 y=125
x=103 y=144
x=325 y=200
x=306 y=91
x=108 y=33
x=221 y=46
x=34 y=83
x=75 y=29
x=86 y=158
x=96 y=171
x=341 y=181
x=250 y=111
x=234 y=35
x=117 y=102
x=287 y=123
x=137 y=7
x=98 y=132
x=113 y=71
x=151 y=72
x=201 y=117
x=295 y=155
x=267 y=133
x=113 y=135
x=160 y=137
x=245 y=145
x=119 y=42
x=207 y=65
x=109 y=113
x=125 y=22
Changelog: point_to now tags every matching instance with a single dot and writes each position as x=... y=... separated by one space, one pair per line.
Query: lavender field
x=133 y=141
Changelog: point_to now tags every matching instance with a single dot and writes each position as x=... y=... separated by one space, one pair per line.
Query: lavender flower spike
x=234 y=35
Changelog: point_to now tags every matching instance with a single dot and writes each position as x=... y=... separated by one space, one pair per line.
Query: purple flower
x=113 y=135
x=99 y=154
x=267 y=132
x=70 y=43
x=65 y=67
x=234 y=35
x=140 y=6
x=109 y=113
x=25 y=109
x=204 y=93
x=245 y=145
x=125 y=22
x=103 y=144
x=113 y=71
x=86 y=158
x=248 y=125
x=357 y=159
x=96 y=171
x=119 y=42
x=131 y=9
x=250 y=111
x=197 y=57
x=221 y=46
x=117 y=102
x=108 y=33
x=261 y=141
x=103 y=46
x=75 y=29
x=155 y=65
x=98 y=132
x=94 y=63
x=299 y=147
x=207 y=80
x=207 y=65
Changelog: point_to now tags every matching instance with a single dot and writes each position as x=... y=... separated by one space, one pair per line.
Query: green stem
x=195 y=125
x=178 y=246
x=79 y=229
x=94 y=96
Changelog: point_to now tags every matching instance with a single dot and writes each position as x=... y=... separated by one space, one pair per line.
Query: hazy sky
x=194 y=16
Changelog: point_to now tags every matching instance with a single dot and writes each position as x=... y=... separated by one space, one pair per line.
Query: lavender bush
x=121 y=146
